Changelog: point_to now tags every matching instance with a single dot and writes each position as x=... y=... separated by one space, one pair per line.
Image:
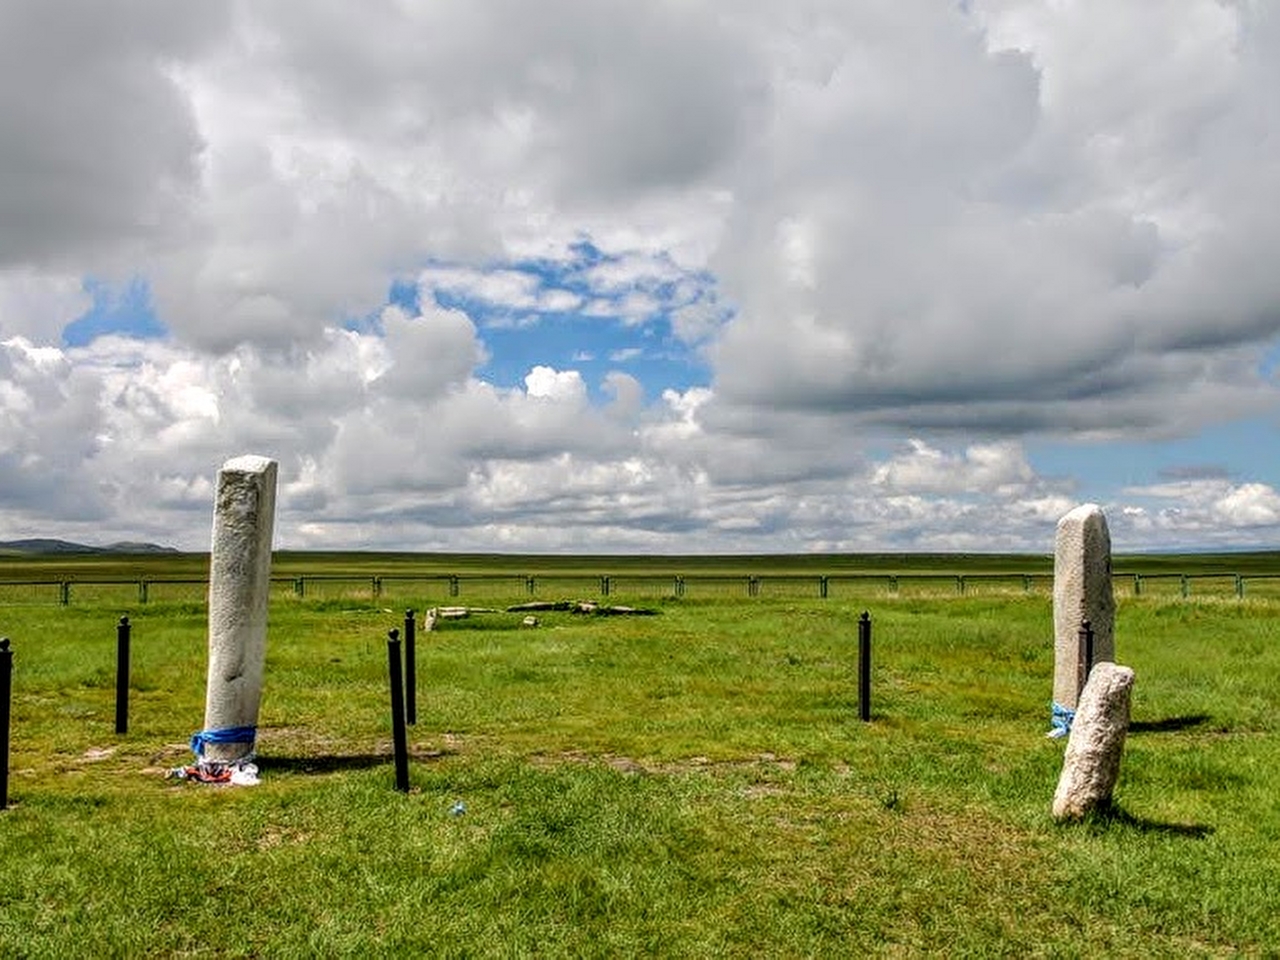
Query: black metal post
x=6 y=688
x=410 y=669
x=122 y=675
x=398 y=738
x=864 y=666
x=1086 y=653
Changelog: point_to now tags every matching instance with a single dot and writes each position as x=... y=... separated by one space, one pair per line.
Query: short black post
x=864 y=666
x=6 y=688
x=1086 y=652
x=410 y=669
x=398 y=738
x=122 y=675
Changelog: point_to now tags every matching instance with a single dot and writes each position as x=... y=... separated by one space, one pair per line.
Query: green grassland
x=694 y=783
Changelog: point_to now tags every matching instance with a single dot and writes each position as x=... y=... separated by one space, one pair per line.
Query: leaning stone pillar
x=239 y=583
x=1091 y=765
x=1081 y=591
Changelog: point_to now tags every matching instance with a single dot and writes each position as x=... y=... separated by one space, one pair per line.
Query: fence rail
x=482 y=586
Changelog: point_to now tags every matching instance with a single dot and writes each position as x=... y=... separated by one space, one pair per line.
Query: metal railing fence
x=483 y=586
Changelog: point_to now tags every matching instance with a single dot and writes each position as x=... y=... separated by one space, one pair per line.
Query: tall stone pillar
x=1081 y=591
x=239 y=584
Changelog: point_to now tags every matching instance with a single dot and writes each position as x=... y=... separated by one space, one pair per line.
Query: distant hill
x=41 y=545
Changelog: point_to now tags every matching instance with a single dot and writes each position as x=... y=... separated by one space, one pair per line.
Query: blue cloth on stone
x=225 y=735
x=1062 y=720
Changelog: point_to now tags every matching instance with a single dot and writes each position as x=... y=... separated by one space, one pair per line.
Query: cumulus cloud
x=38 y=306
x=1000 y=248
x=101 y=158
x=892 y=246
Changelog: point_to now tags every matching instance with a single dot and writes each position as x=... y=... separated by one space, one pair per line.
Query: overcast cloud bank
x=672 y=277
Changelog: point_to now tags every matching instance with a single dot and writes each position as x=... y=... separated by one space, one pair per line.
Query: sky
x=732 y=276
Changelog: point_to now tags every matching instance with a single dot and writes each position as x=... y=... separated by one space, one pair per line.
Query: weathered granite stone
x=1081 y=591
x=239 y=584
x=1091 y=765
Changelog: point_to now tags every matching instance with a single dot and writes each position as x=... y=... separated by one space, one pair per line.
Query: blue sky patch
x=592 y=312
x=126 y=310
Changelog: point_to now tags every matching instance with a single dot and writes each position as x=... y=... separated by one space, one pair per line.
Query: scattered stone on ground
x=581 y=606
x=435 y=614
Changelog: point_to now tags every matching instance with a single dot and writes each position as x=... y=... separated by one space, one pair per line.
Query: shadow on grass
x=338 y=764
x=1170 y=724
x=1117 y=818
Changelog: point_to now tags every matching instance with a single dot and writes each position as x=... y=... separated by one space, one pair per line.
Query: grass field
x=690 y=784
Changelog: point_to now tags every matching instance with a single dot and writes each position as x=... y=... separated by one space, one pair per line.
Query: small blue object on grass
x=458 y=809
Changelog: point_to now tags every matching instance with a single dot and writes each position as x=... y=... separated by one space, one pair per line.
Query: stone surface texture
x=239 y=585
x=1081 y=591
x=1091 y=765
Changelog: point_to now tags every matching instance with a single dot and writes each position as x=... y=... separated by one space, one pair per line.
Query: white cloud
x=1216 y=506
x=428 y=354
x=38 y=305
x=975 y=224
x=506 y=289
x=549 y=384
x=1250 y=505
